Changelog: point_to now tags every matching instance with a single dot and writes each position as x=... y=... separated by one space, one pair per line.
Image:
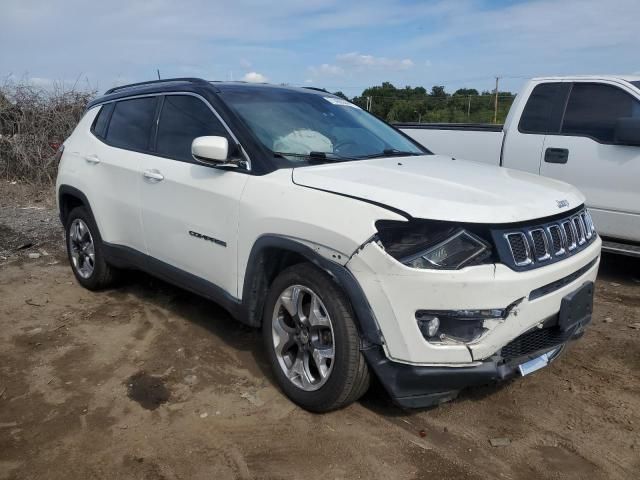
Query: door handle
x=92 y=159
x=153 y=175
x=556 y=155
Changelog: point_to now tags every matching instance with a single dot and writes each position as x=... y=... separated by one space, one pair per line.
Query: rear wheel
x=312 y=341
x=85 y=251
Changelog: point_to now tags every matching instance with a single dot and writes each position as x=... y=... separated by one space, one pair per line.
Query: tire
x=346 y=375
x=100 y=274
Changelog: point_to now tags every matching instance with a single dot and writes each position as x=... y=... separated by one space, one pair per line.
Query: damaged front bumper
x=411 y=386
x=396 y=293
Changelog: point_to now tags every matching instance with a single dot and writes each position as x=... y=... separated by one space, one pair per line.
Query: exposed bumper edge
x=413 y=386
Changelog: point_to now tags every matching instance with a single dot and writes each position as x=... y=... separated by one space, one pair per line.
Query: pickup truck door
x=190 y=210
x=524 y=142
x=584 y=153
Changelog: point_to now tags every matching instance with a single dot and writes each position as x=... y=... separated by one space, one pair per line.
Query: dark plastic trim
x=367 y=323
x=479 y=127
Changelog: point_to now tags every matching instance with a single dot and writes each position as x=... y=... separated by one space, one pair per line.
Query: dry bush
x=33 y=121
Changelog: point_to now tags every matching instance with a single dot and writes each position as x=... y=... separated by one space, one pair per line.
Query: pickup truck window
x=542 y=114
x=182 y=119
x=299 y=123
x=593 y=110
x=130 y=125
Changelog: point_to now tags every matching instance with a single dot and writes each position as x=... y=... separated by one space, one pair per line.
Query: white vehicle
x=581 y=130
x=356 y=251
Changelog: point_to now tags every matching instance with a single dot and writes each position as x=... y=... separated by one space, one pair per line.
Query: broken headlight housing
x=434 y=244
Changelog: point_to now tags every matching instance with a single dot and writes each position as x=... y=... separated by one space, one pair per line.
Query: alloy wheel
x=303 y=338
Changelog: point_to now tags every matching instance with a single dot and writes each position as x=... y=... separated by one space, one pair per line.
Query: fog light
x=429 y=325
x=456 y=325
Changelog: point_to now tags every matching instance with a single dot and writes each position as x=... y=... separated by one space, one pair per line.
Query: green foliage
x=413 y=104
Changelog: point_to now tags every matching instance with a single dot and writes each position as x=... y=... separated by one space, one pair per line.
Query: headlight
x=438 y=245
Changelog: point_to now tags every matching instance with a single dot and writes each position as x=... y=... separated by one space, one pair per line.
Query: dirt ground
x=149 y=382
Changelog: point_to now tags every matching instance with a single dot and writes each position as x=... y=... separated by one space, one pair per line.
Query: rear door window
x=183 y=118
x=131 y=123
x=543 y=112
x=594 y=109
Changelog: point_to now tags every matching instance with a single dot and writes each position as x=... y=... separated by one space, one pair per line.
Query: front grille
x=532 y=246
x=534 y=341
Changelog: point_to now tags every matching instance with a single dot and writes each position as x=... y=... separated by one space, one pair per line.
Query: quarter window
x=131 y=122
x=99 y=127
x=593 y=110
x=182 y=119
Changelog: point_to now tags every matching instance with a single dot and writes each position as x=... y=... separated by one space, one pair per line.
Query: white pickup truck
x=582 y=130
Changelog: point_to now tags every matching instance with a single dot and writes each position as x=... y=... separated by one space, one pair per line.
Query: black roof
x=196 y=85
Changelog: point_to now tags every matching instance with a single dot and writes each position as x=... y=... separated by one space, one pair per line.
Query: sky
x=334 y=44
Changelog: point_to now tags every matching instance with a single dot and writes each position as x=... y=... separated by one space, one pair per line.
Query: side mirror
x=627 y=131
x=214 y=151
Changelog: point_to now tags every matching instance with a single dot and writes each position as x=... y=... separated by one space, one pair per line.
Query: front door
x=190 y=210
x=585 y=154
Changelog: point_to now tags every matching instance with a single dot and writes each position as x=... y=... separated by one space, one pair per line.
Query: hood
x=436 y=187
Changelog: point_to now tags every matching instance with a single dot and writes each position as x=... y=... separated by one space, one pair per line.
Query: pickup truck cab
x=357 y=251
x=581 y=130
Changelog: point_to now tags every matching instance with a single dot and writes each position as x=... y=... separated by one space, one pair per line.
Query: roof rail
x=153 y=82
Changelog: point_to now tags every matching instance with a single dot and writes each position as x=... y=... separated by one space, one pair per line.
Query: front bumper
x=396 y=292
x=411 y=386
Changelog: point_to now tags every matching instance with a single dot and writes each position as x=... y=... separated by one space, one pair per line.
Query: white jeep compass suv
x=357 y=251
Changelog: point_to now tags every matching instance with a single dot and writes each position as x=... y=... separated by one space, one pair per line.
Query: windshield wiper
x=392 y=152
x=318 y=156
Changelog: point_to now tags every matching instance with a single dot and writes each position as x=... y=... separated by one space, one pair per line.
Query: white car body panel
x=479 y=146
x=198 y=199
x=439 y=188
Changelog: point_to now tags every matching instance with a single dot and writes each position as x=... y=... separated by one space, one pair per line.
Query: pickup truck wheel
x=84 y=248
x=312 y=341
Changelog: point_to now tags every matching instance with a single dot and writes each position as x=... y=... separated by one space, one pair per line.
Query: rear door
x=584 y=153
x=190 y=210
x=541 y=114
x=121 y=136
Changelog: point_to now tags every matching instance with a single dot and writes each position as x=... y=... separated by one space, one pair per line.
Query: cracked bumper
x=396 y=292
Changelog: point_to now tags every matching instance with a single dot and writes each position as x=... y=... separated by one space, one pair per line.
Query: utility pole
x=469 y=108
x=158 y=70
x=369 y=103
x=495 y=103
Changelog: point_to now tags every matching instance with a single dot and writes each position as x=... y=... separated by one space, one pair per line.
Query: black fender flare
x=74 y=192
x=365 y=317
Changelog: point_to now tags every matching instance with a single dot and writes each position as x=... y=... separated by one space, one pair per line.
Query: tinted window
x=131 y=122
x=593 y=110
x=99 y=127
x=542 y=113
x=182 y=119
x=637 y=84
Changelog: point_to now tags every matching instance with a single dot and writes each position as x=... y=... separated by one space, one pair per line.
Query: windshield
x=303 y=127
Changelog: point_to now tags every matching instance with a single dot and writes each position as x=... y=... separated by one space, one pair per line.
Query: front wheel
x=312 y=341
